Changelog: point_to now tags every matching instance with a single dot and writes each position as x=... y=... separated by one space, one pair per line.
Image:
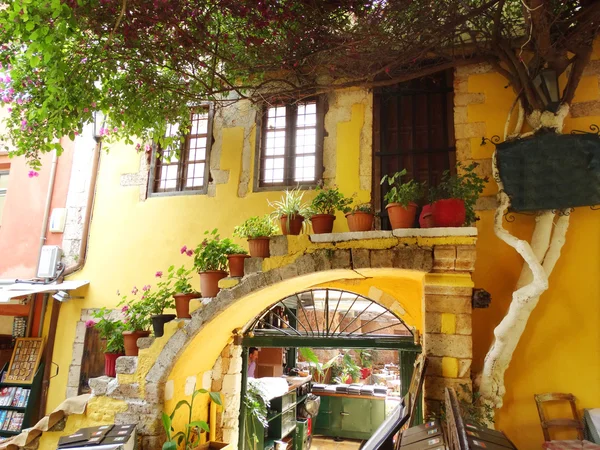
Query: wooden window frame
x=3 y=191
x=290 y=138
x=155 y=163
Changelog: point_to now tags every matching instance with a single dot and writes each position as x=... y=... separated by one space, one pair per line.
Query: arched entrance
x=324 y=318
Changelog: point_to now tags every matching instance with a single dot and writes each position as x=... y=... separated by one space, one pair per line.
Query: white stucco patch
x=169 y=389
x=207 y=380
x=190 y=385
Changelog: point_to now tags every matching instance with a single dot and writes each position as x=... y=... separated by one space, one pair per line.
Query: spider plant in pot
x=157 y=301
x=136 y=322
x=291 y=211
x=236 y=255
x=258 y=231
x=455 y=197
x=111 y=330
x=323 y=208
x=401 y=199
x=182 y=288
x=360 y=217
x=210 y=260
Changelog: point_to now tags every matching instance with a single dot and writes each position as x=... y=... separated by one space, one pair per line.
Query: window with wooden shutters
x=413 y=129
x=186 y=171
x=291 y=143
x=92 y=363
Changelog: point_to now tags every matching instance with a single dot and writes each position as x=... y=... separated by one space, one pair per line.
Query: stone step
x=127 y=365
x=278 y=245
x=252 y=265
x=145 y=342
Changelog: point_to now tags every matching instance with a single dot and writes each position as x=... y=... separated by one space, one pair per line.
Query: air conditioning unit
x=49 y=260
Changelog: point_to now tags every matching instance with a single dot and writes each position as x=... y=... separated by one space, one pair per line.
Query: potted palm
x=360 y=217
x=136 y=323
x=323 y=208
x=182 y=288
x=401 y=199
x=210 y=260
x=236 y=255
x=291 y=211
x=455 y=197
x=110 y=330
x=157 y=301
x=258 y=231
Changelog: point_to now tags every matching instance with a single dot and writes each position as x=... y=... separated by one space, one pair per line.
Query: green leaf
x=200 y=424
x=34 y=61
x=169 y=445
x=179 y=405
x=30 y=25
x=215 y=397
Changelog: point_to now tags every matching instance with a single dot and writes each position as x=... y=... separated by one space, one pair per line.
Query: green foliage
x=465 y=185
x=359 y=207
x=477 y=411
x=402 y=193
x=291 y=204
x=366 y=357
x=190 y=438
x=328 y=201
x=257 y=405
x=137 y=315
x=256 y=227
x=235 y=249
x=318 y=370
x=211 y=253
x=349 y=369
x=158 y=299
x=180 y=279
x=111 y=330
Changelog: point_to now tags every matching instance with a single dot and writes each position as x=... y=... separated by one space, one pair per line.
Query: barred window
x=291 y=145
x=188 y=170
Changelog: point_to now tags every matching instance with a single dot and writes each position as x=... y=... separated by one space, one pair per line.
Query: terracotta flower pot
x=259 y=247
x=110 y=364
x=209 y=282
x=449 y=212
x=322 y=223
x=158 y=323
x=401 y=217
x=182 y=304
x=360 y=221
x=291 y=225
x=130 y=339
x=426 y=217
x=236 y=265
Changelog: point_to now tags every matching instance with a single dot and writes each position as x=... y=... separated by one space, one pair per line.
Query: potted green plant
x=157 y=301
x=258 y=231
x=111 y=331
x=210 y=260
x=257 y=405
x=360 y=217
x=136 y=323
x=455 y=197
x=182 y=288
x=291 y=211
x=190 y=438
x=401 y=199
x=236 y=255
x=323 y=208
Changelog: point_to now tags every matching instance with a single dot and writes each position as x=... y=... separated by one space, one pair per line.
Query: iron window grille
x=186 y=171
x=291 y=145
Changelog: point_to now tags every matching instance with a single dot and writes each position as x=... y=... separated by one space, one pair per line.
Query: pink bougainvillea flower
x=158 y=274
x=93 y=104
x=33 y=173
x=189 y=252
x=183 y=249
x=85 y=110
x=23 y=124
x=125 y=308
x=134 y=291
x=146 y=288
x=89 y=323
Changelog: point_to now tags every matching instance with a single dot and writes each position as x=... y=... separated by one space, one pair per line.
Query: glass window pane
x=273 y=170
x=3 y=180
x=195 y=175
x=274 y=143
x=306 y=141
x=305 y=168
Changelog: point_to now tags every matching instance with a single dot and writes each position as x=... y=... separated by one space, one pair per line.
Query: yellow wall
x=131 y=239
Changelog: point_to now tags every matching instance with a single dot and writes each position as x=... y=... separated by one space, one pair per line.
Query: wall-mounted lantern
x=546 y=84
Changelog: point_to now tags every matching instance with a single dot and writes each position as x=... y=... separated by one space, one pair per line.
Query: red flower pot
x=110 y=364
x=360 y=221
x=291 y=224
x=426 y=217
x=236 y=265
x=449 y=212
x=209 y=282
x=182 y=304
x=259 y=247
x=322 y=223
x=365 y=372
x=401 y=217
x=130 y=339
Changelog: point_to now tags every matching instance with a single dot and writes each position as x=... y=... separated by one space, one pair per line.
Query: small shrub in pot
x=324 y=206
x=291 y=211
x=236 y=255
x=210 y=260
x=258 y=231
x=401 y=199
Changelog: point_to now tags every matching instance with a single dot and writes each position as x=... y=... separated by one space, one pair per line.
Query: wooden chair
x=546 y=423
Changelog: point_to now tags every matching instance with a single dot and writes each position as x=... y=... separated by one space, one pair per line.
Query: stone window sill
x=403 y=232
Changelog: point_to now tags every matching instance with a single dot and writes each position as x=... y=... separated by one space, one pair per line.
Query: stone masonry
x=447 y=318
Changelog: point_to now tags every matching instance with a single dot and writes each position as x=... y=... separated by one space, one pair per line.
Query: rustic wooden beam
x=48 y=353
x=15 y=310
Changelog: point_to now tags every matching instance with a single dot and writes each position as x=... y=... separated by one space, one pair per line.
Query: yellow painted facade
x=132 y=239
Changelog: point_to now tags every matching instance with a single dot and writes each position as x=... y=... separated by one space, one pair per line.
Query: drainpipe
x=47 y=208
x=88 y=212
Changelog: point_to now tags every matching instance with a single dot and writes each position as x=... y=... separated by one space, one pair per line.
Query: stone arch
x=438 y=265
